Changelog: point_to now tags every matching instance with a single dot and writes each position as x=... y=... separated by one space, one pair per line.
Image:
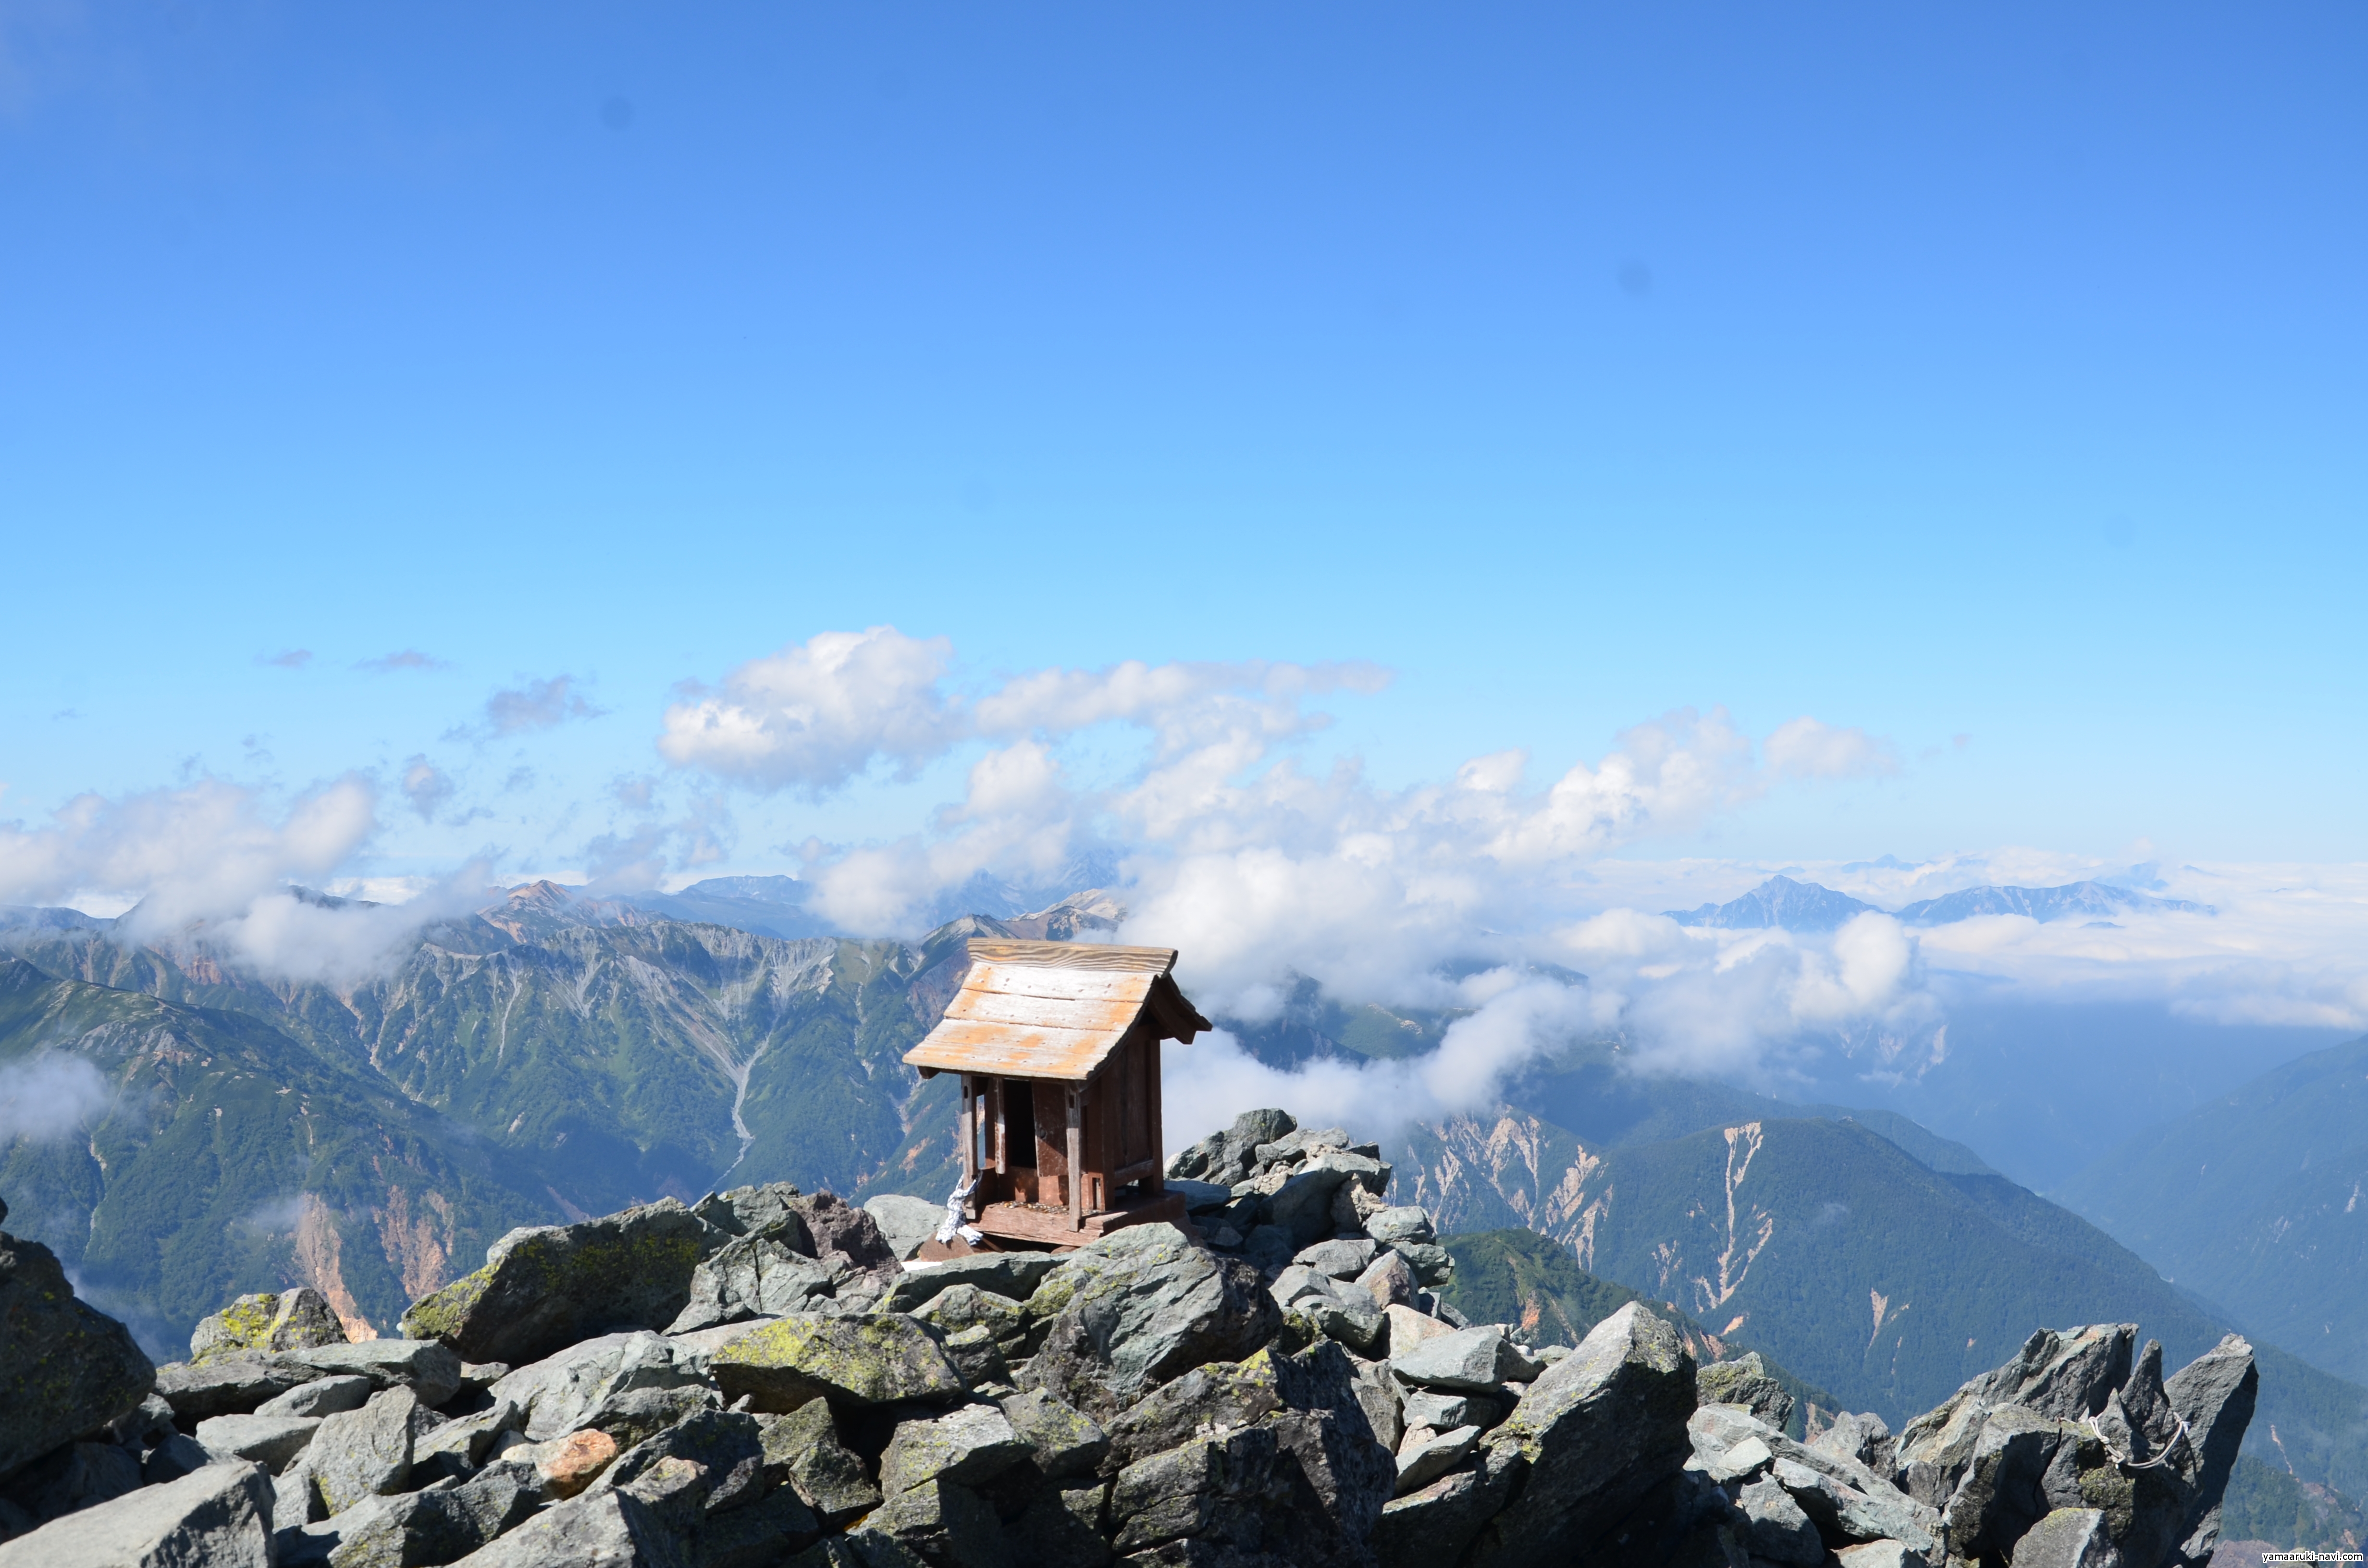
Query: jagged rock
x=639 y=1414
x=769 y=1209
x=269 y=1440
x=1592 y=1435
x=1062 y=1529
x=65 y=1368
x=904 y=1222
x=1060 y=1438
x=1342 y=1310
x=2215 y=1395
x=322 y=1396
x=543 y=1289
x=1431 y=1263
x=2061 y=1376
x=754 y=1535
x=218 y=1516
x=1302 y=1204
x=1745 y=1381
x=363 y=1453
x=712 y=1463
x=751 y=1277
x=1139 y=1307
x=1440 y=1410
x=1469 y=1360
x=441 y=1526
x=1390 y=1280
x=2069 y=1537
x=1428 y=1453
x=823 y=1471
x=1847 y=1513
x=969 y=1445
x=560 y=1393
x=470 y=1438
x=840 y=1231
x=1013 y=1274
x=977 y=1358
x=1228 y=1157
x=1848 y=1502
x=1408 y=1328
x=966 y=1307
x=1211 y=1489
x=600 y=1530
x=1211 y=1398
x=233 y=1387
x=76 y=1476
x=1882 y=1554
x=1402 y=1224
x=174 y=1458
x=852 y=1361
x=857 y=1549
x=1865 y=1438
x=1780 y=1529
x=1436 y=1524
x=1377 y=1396
x=427 y=1368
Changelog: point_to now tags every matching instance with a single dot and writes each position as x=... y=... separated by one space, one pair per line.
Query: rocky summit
x=767 y=1378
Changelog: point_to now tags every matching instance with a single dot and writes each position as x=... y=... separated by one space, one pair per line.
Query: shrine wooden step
x=1043 y=1225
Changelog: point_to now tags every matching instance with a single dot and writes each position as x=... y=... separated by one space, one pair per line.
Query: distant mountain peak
x=1778 y=900
x=2043 y=905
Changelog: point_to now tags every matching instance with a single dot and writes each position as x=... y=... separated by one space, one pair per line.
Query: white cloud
x=536 y=705
x=49 y=1098
x=1805 y=748
x=812 y=716
x=426 y=785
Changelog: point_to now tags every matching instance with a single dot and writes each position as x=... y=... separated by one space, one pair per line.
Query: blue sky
x=1987 y=381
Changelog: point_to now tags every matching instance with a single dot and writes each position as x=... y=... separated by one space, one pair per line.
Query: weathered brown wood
x=1071 y=955
x=1156 y=1183
x=1002 y=1133
x=968 y=1129
x=1136 y=1172
x=1042 y=1224
x=1076 y=1110
x=1051 y=1146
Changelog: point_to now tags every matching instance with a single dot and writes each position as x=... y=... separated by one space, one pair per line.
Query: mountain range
x=1806 y=907
x=552 y=1055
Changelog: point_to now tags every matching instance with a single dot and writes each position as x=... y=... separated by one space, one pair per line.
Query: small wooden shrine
x=1057 y=1044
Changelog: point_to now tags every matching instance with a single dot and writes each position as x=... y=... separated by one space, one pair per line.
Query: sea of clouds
x=1479 y=892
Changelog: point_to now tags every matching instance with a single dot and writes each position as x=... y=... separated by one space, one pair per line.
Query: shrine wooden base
x=1026 y=1227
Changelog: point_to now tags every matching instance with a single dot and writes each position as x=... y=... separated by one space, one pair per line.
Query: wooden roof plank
x=1078 y=984
x=1050 y=1011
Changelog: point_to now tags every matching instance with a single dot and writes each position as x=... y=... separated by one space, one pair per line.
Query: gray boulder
x=440 y=1526
x=1402 y=1224
x=1430 y=1453
x=76 y=1476
x=1778 y=1530
x=608 y=1528
x=944 y=1523
x=65 y=1368
x=771 y=1209
x=970 y=1444
x=1228 y=1157
x=1470 y=1360
x=2069 y=1537
x=751 y=1276
x=1590 y=1437
x=546 y=1287
x=236 y=1386
x=1340 y=1258
x=1138 y=1308
x=269 y=1440
x=2213 y=1394
x=363 y=1453
x=843 y=1231
x=1213 y=1398
x=862 y=1361
x=322 y=1396
x=1013 y=1274
x=559 y=1395
x=1216 y=1491
x=1390 y=1280
x=1865 y=1438
x=218 y=1516
x=426 y=1368
x=963 y=1308
x=904 y=1222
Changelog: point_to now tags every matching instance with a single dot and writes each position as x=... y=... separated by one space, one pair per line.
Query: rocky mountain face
x=1806 y=907
x=2256 y=1200
x=1864 y=1270
x=757 y=1379
x=547 y=1059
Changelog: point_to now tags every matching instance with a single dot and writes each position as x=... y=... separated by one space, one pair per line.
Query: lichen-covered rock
x=65 y=1368
x=1061 y=1440
x=946 y=1523
x=970 y=1444
x=1139 y=1307
x=1745 y=1381
x=823 y=1471
x=964 y=1308
x=544 y=1289
x=853 y=1361
x=290 y=1320
x=218 y=1516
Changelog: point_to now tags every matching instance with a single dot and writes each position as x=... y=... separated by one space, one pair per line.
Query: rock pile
x=757 y=1380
